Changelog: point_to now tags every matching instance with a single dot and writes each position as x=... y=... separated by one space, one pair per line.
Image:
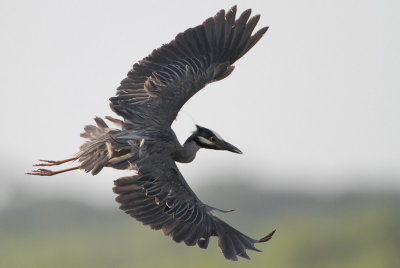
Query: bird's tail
x=103 y=147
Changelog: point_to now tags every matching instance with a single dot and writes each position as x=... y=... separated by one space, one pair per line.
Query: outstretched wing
x=159 y=196
x=159 y=85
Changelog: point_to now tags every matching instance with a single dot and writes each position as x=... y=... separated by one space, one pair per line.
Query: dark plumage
x=149 y=99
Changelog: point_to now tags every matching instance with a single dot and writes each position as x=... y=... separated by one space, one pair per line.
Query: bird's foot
x=41 y=172
x=47 y=172
x=49 y=163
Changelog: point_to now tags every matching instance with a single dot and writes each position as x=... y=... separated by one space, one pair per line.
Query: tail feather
x=104 y=149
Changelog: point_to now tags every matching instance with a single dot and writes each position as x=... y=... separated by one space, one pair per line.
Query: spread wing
x=159 y=85
x=159 y=196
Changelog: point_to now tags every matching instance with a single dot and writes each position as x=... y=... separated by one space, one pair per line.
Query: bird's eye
x=213 y=139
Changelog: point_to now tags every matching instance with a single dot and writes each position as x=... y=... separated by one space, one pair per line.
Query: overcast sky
x=316 y=103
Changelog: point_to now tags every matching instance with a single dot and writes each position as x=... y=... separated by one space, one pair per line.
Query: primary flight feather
x=149 y=99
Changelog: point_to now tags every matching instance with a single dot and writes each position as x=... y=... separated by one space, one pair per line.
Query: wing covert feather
x=159 y=85
x=149 y=99
x=159 y=196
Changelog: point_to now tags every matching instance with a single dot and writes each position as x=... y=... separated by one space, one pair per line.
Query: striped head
x=207 y=138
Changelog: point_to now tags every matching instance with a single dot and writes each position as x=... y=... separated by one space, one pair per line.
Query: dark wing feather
x=159 y=196
x=159 y=85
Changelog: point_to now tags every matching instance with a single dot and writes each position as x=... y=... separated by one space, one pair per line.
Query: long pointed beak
x=229 y=147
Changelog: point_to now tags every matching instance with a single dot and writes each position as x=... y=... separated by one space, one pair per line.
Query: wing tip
x=267 y=237
x=233 y=9
x=263 y=30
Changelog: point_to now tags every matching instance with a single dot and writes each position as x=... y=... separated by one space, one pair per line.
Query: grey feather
x=148 y=100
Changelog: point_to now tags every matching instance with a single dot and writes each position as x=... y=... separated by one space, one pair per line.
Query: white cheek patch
x=205 y=141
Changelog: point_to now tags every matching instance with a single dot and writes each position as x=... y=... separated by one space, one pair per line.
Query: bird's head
x=209 y=139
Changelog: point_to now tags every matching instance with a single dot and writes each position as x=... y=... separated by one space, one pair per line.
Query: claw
x=49 y=163
x=41 y=172
x=47 y=172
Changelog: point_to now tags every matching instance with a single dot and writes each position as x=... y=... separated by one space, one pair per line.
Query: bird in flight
x=148 y=100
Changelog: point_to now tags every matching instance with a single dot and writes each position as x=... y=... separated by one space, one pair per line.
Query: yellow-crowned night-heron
x=148 y=100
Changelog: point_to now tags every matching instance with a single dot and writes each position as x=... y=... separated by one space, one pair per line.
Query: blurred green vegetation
x=352 y=230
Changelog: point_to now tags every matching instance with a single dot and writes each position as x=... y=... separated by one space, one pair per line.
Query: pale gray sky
x=316 y=103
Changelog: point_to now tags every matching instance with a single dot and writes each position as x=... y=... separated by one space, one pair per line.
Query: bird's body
x=149 y=99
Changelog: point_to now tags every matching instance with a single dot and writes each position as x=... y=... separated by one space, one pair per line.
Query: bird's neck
x=188 y=151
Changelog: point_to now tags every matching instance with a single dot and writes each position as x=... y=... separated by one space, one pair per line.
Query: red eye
x=213 y=139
